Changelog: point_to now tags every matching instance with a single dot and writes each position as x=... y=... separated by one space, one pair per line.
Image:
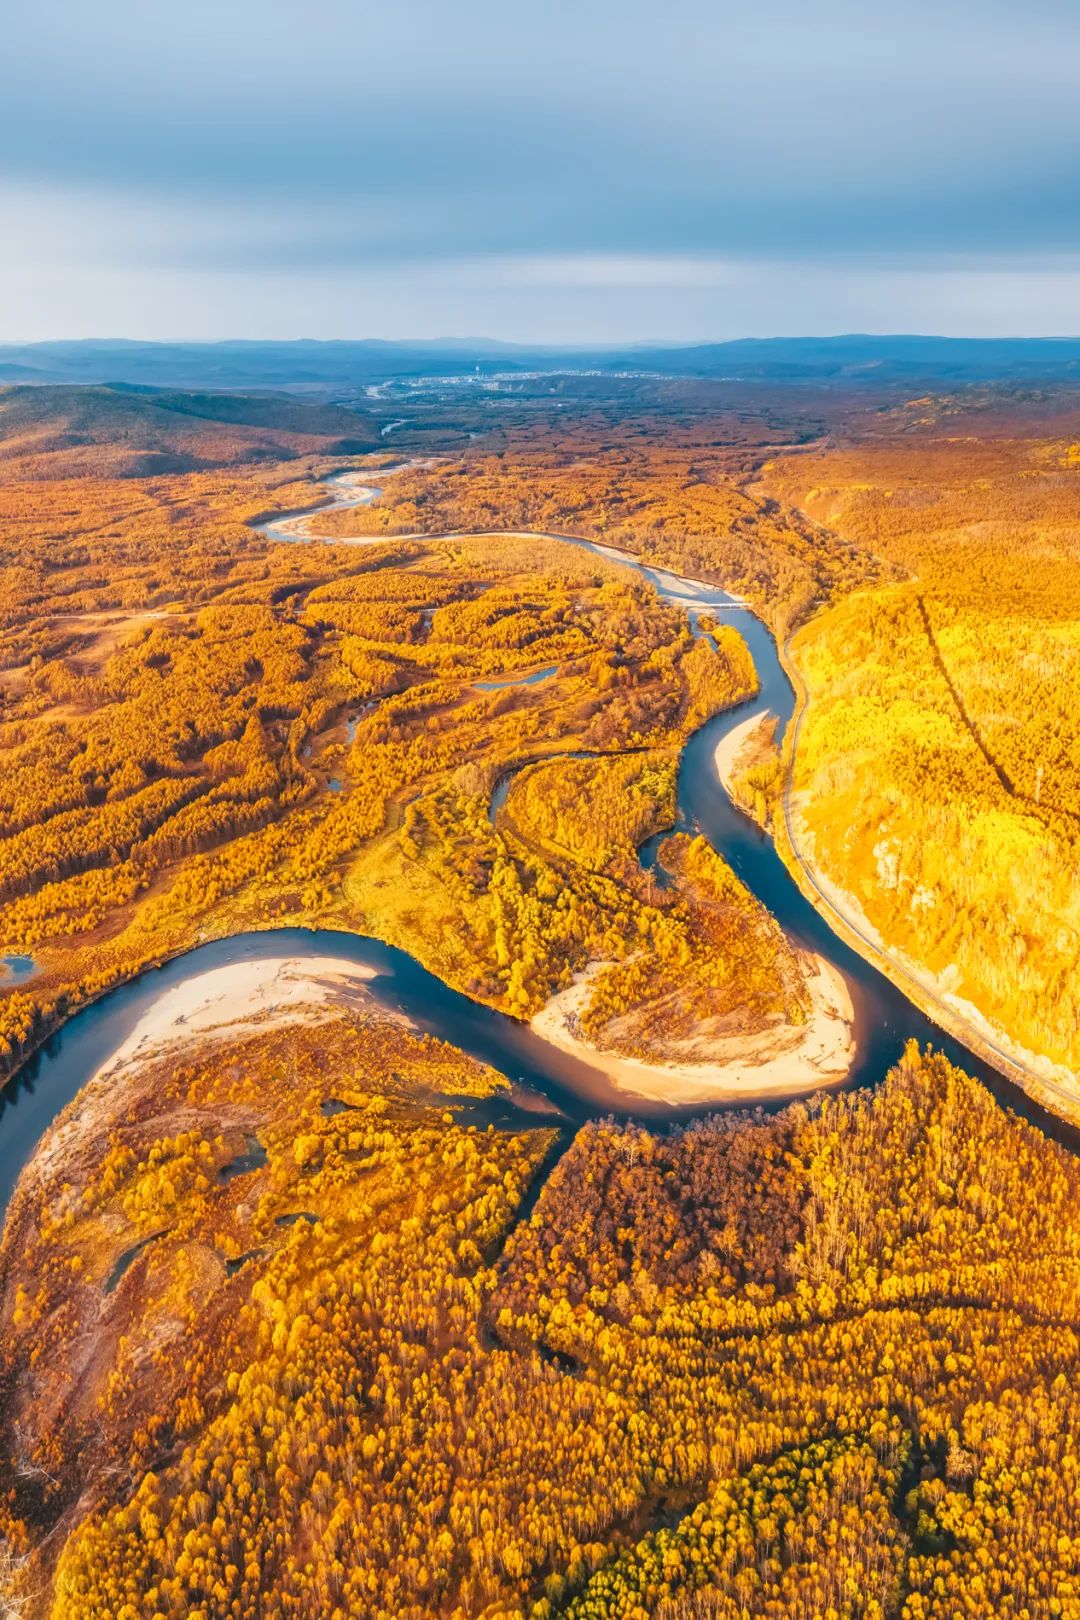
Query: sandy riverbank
x=239 y=996
x=739 y=748
x=782 y=1061
x=300 y=526
x=359 y=492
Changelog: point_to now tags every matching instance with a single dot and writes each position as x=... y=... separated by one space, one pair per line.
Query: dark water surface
x=19 y=967
x=517 y=680
x=50 y=1079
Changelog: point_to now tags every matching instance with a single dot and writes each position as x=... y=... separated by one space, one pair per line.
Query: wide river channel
x=884 y=1017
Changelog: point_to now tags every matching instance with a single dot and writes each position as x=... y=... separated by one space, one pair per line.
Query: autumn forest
x=467 y=1179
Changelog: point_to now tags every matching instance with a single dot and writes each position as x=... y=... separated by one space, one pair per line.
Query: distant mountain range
x=849 y=359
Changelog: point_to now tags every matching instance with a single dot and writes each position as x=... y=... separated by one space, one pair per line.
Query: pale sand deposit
x=782 y=1061
x=239 y=996
x=736 y=751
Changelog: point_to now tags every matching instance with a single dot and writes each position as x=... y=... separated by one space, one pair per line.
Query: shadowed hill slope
x=121 y=431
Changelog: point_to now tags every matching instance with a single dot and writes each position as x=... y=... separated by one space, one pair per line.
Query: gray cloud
x=271 y=140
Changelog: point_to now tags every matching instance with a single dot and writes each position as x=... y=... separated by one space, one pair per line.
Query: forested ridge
x=937 y=778
x=57 y=432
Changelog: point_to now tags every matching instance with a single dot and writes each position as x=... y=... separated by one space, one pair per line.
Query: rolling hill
x=130 y=432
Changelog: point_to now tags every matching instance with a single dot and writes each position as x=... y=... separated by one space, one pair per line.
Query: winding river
x=884 y=1017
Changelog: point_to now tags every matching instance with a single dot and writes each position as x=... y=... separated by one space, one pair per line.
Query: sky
x=578 y=171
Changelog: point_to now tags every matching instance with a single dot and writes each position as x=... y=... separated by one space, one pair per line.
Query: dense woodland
x=118 y=432
x=937 y=773
x=816 y=1364
x=677 y=507
x=501 y=905
x=314 y=1321
x=203 y=729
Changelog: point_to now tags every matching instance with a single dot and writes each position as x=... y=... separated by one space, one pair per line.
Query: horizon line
x=555 y=346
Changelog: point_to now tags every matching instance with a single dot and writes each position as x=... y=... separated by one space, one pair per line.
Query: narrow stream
x=884 y=1017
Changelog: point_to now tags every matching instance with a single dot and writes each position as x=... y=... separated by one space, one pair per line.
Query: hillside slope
x=124 y=432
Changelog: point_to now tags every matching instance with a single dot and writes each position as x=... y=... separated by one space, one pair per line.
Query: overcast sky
x=577 y=170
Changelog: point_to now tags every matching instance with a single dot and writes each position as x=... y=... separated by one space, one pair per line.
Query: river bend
x=885 y=1019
